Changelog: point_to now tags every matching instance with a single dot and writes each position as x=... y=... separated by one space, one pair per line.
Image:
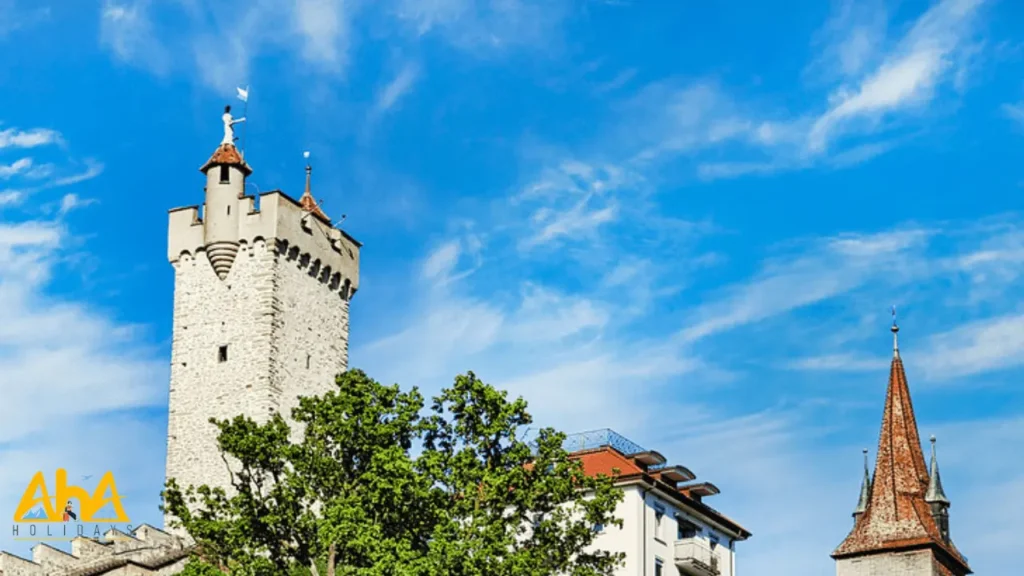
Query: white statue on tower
x=229 y=123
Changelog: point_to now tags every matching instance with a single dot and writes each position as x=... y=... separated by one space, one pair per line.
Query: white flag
x=243 y=95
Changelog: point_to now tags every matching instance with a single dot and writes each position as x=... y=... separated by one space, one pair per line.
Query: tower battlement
x=281 y=222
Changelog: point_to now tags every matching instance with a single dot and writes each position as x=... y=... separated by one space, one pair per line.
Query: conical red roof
x=227 y=154
x=897 y=516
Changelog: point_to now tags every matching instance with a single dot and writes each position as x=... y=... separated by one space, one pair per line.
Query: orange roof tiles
x=227 y=154
x=897 y=515
x=309 y=205
x=607 y=462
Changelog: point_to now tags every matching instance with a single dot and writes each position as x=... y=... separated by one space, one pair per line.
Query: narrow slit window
x=222 y=354
x=225 y=174
x=308 y=358
x=229 y=210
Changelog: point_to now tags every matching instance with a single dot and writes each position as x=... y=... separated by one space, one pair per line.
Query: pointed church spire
x=897 y=514
x=308 y=203
x=865 y=490
x=935 y=492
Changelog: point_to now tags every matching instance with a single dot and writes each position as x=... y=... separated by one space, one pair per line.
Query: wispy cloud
x=976 y=347
x=1015 y=112
x=485 y=28
x=907 y=77
x=321 y=33
x=875 y=82
x=397 y=87
x=14 y=138
x=127 y=30
x=16 y=167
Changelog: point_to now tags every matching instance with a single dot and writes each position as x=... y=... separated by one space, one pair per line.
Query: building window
x=686 y=529
x=659 y=567
x=308 y=357
x=229 y=210
x=598 y=528
x=225 y=174
x=222 y=354
x=659 y=517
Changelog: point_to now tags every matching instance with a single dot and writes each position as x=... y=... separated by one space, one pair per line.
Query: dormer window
x=225 y=174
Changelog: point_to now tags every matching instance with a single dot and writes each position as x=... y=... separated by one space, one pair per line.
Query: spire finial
x=309 y=173
x=895 y=335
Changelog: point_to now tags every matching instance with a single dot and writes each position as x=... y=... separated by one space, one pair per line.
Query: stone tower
x=901 y=523
x=261 y=309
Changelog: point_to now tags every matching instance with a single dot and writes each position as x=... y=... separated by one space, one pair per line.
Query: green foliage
x=372 y=486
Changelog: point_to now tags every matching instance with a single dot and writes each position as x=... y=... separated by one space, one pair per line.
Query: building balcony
x=694 y=557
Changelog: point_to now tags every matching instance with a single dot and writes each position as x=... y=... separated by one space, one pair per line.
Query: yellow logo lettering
x=37 y=505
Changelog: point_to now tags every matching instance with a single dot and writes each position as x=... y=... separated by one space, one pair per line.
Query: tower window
x=229 y=210
x=222 y=354
x=225 y=174
x=308 y=357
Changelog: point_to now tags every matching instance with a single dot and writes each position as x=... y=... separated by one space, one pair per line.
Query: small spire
x=935 y=492
x=308 y=203
x=865 y=489
x=895 y=335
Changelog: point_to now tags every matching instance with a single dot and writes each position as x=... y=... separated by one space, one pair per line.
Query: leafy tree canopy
x=372 y=484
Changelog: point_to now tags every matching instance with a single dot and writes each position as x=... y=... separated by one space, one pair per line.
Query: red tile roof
x=897 y=516
x=309 y=205
x=227 y=154
x=607 y=462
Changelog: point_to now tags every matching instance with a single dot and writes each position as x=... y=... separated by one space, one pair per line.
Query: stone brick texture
x=285 y=327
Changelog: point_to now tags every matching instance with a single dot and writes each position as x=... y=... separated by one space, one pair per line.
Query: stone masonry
x=147 y=551
x=273 y=328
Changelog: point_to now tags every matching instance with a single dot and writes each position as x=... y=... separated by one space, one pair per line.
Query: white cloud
x=572 y=202
x=907 y=77
x=1015 y=112
x=851 y=41
x=974 y=347
x=14 y=138
x=56 y=348
x=830 y=268
x=9 y=197
x=324 y=26
x=485 y=28
x=127 y=30
x=16 y=167
x=840 y=363
x=398 y=87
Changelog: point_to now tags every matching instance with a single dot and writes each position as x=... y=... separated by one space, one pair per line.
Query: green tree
x=373 y=486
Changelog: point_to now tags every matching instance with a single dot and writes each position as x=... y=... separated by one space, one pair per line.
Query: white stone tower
x=261 y=309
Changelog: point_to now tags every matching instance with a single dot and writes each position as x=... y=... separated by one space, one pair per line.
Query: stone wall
x=276 y=327
x=912 y=563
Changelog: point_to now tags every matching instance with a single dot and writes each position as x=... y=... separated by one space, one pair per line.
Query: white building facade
x=667 y=529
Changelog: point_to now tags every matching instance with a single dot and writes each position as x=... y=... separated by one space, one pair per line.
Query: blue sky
x=680 y=220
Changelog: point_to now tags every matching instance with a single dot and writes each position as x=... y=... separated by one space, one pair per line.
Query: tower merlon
x=281 y=218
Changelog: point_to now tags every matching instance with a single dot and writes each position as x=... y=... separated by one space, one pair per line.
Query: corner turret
x=225 y=172
x=865 y=491
x=936 y=498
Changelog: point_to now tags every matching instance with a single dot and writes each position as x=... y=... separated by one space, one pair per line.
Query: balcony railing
x=695 y=557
